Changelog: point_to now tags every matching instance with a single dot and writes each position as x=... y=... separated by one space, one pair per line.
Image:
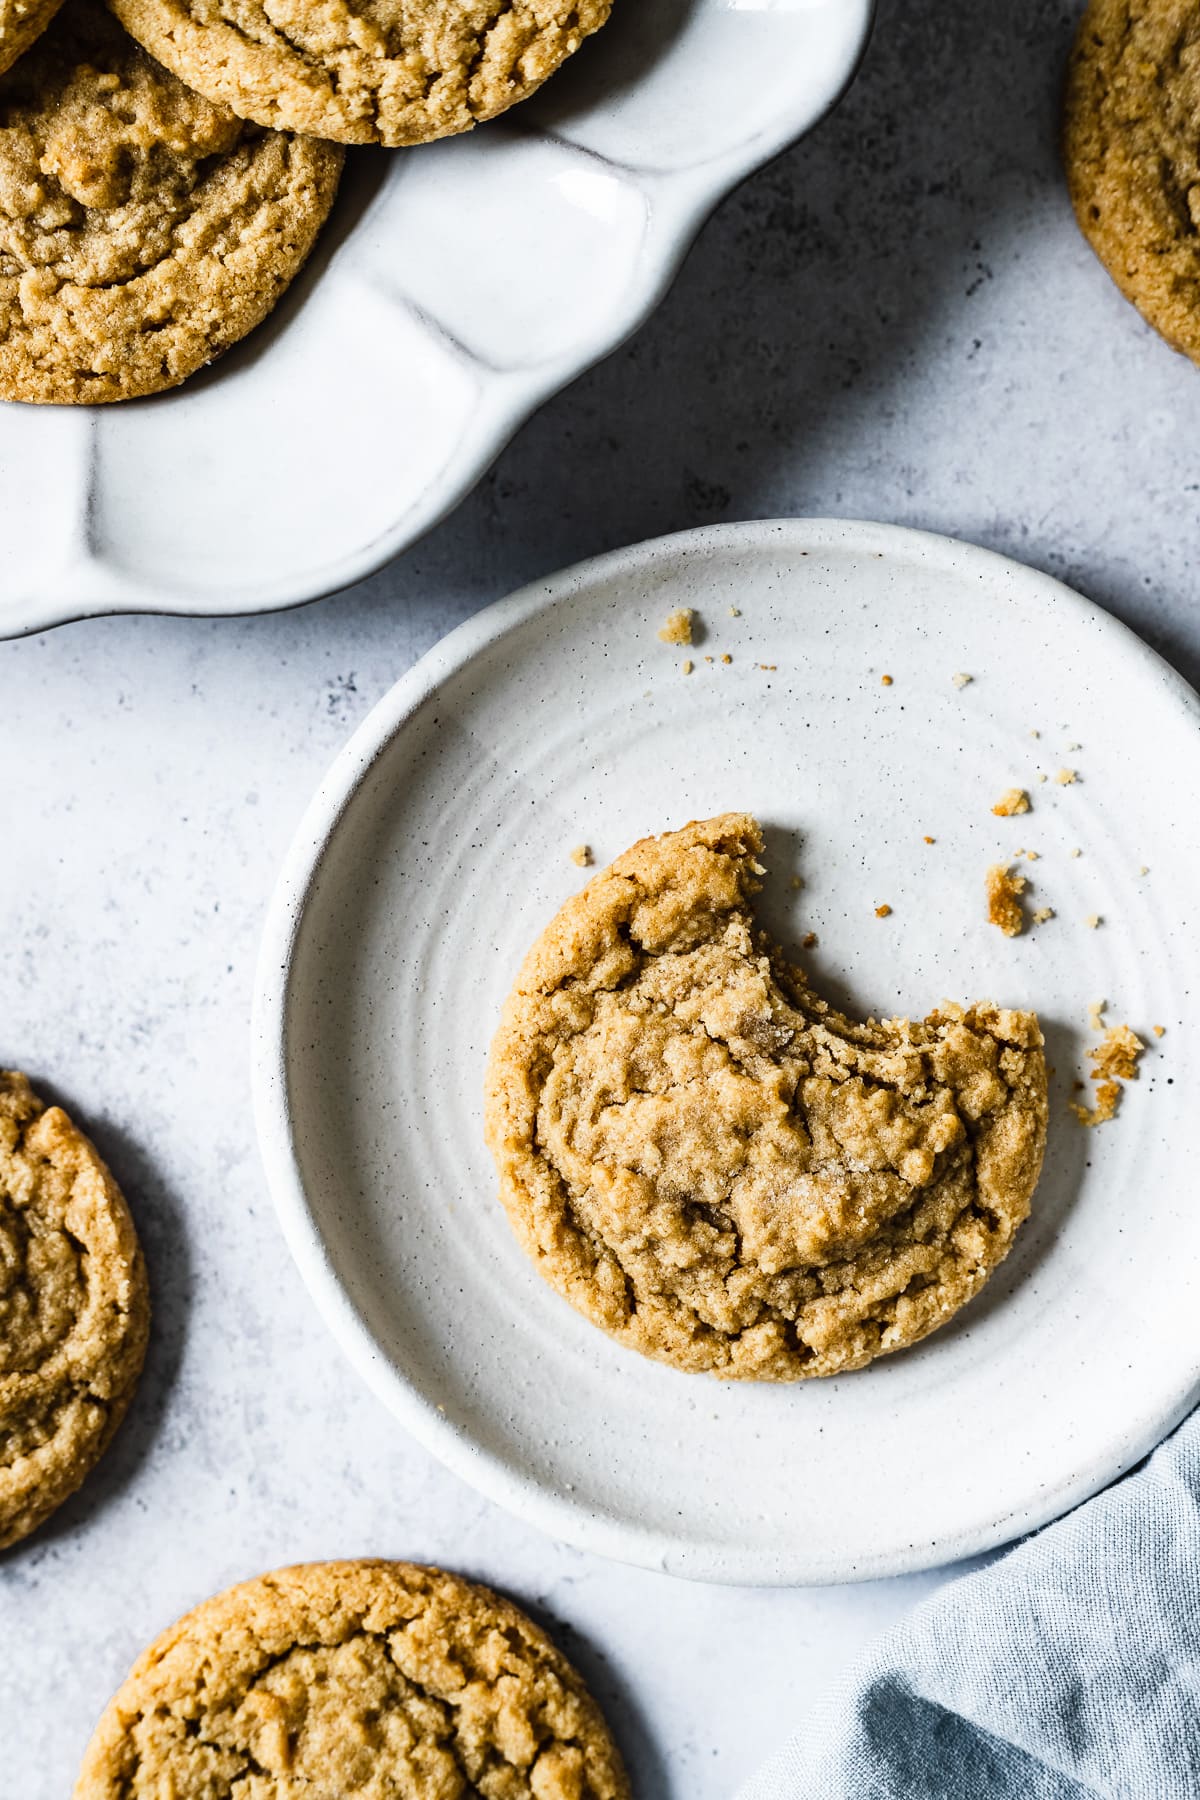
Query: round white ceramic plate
x=437 y=849
x=455 y=288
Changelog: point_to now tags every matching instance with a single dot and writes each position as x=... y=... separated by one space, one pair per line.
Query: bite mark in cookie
x=717 y=1167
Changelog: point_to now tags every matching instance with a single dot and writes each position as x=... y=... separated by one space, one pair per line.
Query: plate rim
x=558 y=1515
x=683 y=201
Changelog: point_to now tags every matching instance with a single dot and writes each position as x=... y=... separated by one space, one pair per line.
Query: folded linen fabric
x=1067 y=1670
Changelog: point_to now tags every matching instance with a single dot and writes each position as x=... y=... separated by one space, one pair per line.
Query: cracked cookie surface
x=74 y=1308
x=143 y=230
x=713 y=1164
x=372 y=1679
x=1132 y=152
x=364 y=71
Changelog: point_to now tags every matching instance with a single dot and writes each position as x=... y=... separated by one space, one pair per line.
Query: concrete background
x=898 y=320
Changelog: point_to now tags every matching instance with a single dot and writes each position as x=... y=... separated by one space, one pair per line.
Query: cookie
x=142 y=229
x=717 y=1167
x=21 y=23
x=370 y=72
x=74 y=1308
x=377 y=1679
x=1132 y=152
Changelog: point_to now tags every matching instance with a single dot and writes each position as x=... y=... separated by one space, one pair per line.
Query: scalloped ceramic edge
x=482 y=275
x=558 y=1514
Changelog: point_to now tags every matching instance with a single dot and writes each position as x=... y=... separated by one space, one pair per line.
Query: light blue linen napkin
x=1068 y=1669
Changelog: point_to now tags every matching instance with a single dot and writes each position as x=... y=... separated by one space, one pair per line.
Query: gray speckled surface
x=898 y=320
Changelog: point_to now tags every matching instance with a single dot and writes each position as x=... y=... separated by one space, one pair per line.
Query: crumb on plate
x=688 y=665
x=1042 y=914
x=1015 y=801
x=735 y=612
x=1116 y=1055
x=962 y=679
x=581 y=856
x=1107 y=1095
x=1093 y=921
x=726 y=658
x=883 y=911
x=886 y=680
x=1067 y=777
x=1113 y=1060
x=1159 y=1030
x=930 y=840
x=678 y=626
x=1004 y=890
x=809 y=941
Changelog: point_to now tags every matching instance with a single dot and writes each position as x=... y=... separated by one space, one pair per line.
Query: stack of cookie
x=154 y=207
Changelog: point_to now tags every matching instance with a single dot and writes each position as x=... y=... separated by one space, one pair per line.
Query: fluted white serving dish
x=456 y=287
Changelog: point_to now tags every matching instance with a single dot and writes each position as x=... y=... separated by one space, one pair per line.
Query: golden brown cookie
x=714 y=1165
x=1132 y=152
x=142 y=229
x=371 y=72
x=74 y=1308
x=21 y=23
x=371 y=1679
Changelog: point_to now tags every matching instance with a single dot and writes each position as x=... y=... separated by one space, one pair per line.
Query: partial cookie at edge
x=142 y=229
x=22 y=22
x=74 y=1308
x=370 y=1677
x=365 y=74
x=1132 y=152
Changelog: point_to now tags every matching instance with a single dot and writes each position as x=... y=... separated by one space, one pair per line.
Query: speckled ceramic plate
x=439 y=846
x=454 y=289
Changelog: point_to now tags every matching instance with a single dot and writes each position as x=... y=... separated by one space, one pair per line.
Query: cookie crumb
x=1159 y=1030
x=1042 y=914
x=1077 y=853
x=735 y=612
x=1107 y=1095
x=678 y=626
x=1096 y=1014
x=727 y=658
x=1015 y=801
x=1067 y=777
x=581 y=856
x=1036 y=734
x=1116 y=1055
x=809 y=941
x=1093 y=921
x=1004 y=890
x=930 y=840
x=884 y=911
x=688 y=666
x=1041 y=775
x=1144 y=870
x=962 y=679
x=1114 y=1060
x=769 y=667
x=797 y=881
x=886 y=680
